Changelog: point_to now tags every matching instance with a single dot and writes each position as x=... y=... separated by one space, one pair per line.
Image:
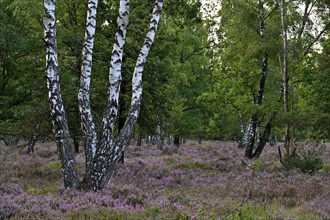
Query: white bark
x=285 y=76
x=160 y=137
x=107 y=155
x=137 y=79
x=108 y=123
x=62 y=135
x=87 y=123
x=137 y=75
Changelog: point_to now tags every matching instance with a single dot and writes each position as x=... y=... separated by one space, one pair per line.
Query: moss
x=276 y=166
x=272 y=211
x=326 y=167
x=44 y=190
x=53 y=165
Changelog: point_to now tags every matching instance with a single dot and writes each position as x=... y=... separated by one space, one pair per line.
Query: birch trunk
x=106 y=158
x=258 y=100
x=287 y=138
x=251 y=134
x=87 y=124
x=62 y=135
x=111 y=112
x=104 y=147
x=265 y=137
x=160 y=138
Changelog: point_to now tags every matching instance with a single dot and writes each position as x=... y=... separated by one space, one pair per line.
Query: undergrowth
x=192 y=182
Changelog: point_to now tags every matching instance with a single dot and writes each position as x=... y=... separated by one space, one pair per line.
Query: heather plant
x=197 y=182
x=306 y=158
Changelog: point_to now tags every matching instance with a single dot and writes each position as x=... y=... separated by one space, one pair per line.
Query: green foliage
x=100 y=214
x=306 y=160
x=236 y=74
x=326 y=167
x=249 y=212
x=153 y=212
x=53 y=165
x=255 y=165
x=176 y=73
x=192 y=87
x=23 y=111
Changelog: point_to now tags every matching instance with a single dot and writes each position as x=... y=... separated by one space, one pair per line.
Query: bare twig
x=238 y=206
x=247 y=198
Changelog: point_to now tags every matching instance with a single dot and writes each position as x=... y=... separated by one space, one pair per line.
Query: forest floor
x=197 y=181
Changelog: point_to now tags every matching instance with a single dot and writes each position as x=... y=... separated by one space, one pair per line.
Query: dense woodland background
x=196 y=84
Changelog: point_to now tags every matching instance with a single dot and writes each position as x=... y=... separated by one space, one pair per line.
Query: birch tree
x=287 y=139
x=101 y=154
x=60 y=124
x=246 y=68
x=306 y=22
x=258 y=98
x=87 y=124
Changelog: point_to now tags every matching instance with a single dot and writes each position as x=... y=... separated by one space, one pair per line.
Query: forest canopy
x=203 y=76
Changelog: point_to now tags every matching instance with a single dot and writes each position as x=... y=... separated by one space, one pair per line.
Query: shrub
x=249 y=212
x=306 y=159
x=255 y=166
x=153 y=211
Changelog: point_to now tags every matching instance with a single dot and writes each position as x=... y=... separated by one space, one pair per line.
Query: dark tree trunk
x=121 y=112
x=121 y=121
x=251 y=130
x=31 y=144
x=76 y=144
x=139 y=140
x=122 y=158
x=33 y=140
x=153 y=140
x=177 y=140
x=10 y=141
x=265 y=137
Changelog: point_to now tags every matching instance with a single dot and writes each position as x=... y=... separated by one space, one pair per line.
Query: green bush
x=307 y=161
x=153 y=212
x=248 y=212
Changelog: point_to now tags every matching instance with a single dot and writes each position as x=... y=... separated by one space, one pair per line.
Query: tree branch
x=315 y=40
x=272 y=11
